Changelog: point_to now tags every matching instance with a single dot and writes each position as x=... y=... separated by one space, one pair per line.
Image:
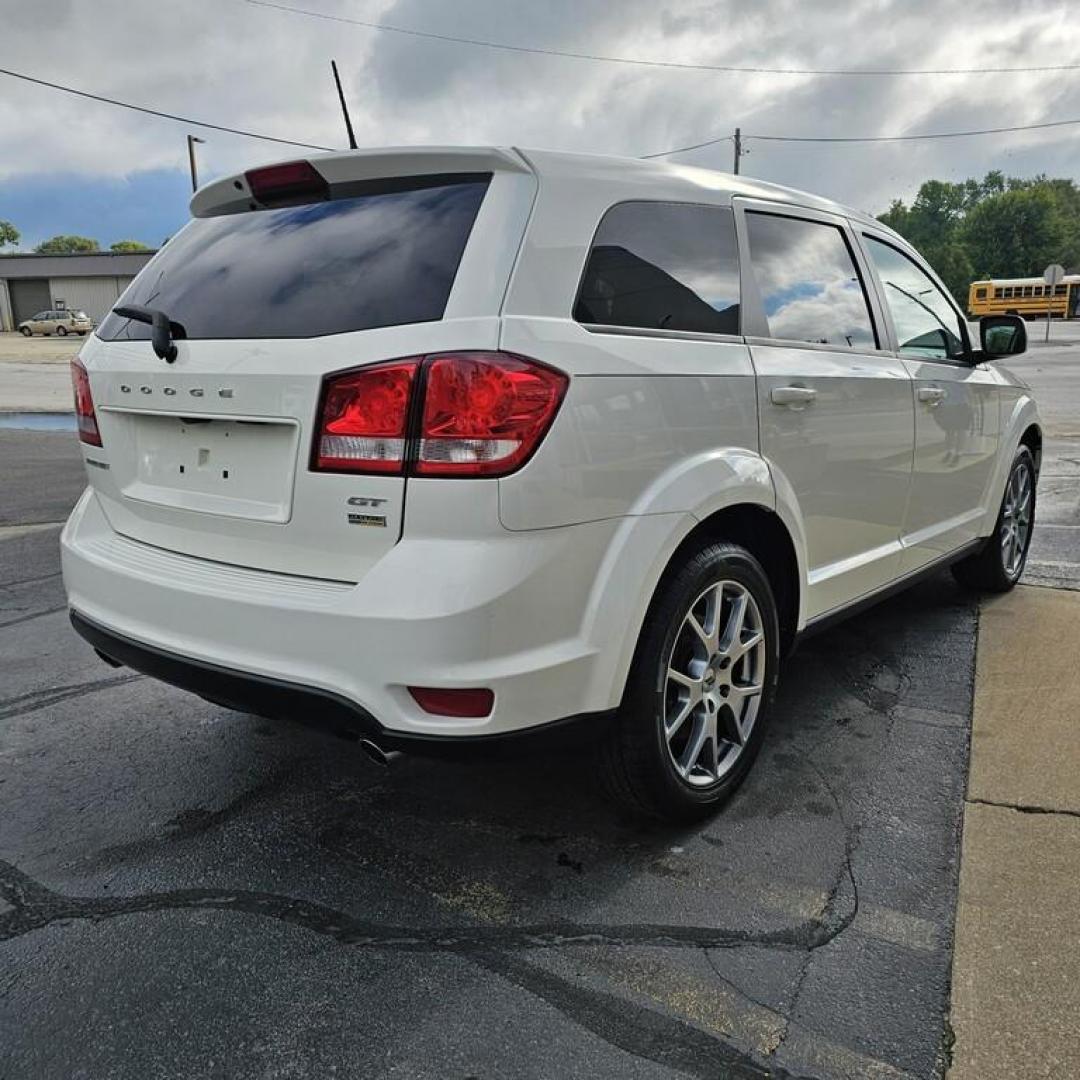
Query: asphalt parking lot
x=190 y=892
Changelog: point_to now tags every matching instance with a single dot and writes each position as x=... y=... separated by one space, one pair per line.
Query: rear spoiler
x=233 y=194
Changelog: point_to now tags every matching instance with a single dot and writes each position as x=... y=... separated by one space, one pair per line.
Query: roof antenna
x=344 y=107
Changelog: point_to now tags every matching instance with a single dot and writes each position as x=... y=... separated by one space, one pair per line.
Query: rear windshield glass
x=382 y=258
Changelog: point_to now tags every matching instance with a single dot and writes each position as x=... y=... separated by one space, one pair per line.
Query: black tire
x=986 y=570
x=62 y=331
x=26 y=331
x=635 y=765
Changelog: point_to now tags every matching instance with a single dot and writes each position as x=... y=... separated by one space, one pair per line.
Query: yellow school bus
x=1029 y=297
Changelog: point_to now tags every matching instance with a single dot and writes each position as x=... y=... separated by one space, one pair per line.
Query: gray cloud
x=267 y=70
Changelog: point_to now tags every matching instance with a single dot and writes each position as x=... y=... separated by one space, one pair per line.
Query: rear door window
x=663 y=266
x=385 y=256
x=810 y=285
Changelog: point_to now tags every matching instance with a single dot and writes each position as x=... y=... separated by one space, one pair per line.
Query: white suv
x=439 y=447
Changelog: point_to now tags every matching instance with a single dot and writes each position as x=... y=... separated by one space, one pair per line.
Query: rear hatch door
x=210 y=455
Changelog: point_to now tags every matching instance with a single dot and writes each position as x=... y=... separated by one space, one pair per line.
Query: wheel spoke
x=746 y=692
x=688 y=681
x=734 y=628
x=694 y=747
x=686 y=708
x=746 y=646
x=729 y=725
x=691 y=621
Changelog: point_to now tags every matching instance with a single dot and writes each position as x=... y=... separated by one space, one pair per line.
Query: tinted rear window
x=663 y=266
x=385 y=257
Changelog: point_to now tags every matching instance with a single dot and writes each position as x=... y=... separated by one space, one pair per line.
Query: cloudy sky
x=72 y=165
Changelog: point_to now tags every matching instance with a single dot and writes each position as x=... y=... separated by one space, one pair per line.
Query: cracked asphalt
x=187 y=891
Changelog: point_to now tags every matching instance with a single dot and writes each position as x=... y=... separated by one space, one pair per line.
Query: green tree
x=953 y=266
x=998 y=226
x=9 y=235
x=63 y=245
x=128 y=245
x=1016 y=233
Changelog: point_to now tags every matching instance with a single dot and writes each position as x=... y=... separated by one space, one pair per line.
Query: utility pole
x=738 y=149
x=191 y=141
x=344 y=107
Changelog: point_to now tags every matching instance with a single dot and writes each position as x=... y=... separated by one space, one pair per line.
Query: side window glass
x=926 y=323
x=810 y=286
x=663 y=266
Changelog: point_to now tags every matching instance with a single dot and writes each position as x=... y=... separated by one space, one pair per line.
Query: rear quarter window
x=662 y=266
x=385 y=257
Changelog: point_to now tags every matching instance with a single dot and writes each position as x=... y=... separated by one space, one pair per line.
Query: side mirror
x=1002 y=335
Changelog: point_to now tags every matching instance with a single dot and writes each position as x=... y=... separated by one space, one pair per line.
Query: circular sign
x=1053 y=274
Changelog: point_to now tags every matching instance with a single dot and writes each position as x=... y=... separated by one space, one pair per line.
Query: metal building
x=90 y=282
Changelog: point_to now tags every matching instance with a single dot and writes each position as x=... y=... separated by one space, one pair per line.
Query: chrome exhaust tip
x=378 y=754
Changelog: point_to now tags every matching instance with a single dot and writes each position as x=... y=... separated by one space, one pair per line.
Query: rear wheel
x=998 y=565
x=696 y=704
x=62 y=331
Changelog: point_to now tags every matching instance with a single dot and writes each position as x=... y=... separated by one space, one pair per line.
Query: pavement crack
x=34 y=615
x=34 y=906
x=1024 y=808
x=53 y=695
x=839 y=923
x=28 y=580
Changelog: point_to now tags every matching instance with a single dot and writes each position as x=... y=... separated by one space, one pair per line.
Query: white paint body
x=534 y=585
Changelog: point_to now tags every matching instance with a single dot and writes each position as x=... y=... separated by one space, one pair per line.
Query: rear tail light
x=85 y=416
x=481 y=414
x=442 y=702
x=363 y=420
x=485 y=413
x=290 y=184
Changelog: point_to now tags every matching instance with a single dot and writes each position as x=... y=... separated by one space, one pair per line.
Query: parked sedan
x=57 y=322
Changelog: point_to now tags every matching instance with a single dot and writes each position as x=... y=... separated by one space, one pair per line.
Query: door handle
x=932 y=395
x=795 y=397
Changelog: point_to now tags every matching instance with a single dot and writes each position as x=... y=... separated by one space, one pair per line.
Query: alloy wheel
x=1016 y=520
x=713 y=685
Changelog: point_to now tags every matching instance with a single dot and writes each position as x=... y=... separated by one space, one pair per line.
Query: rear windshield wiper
x=163 y=328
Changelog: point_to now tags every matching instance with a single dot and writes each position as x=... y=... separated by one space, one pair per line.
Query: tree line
x=64 y=244
x=997 y=227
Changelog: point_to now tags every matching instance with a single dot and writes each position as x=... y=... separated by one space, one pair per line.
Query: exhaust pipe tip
x=377 y=754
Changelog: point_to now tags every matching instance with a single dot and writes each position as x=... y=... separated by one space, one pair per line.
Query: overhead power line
x=910 y=138
x=663 y=153
x=867 y=138
x=164 y=115
x=693 y=146
x=733 y=68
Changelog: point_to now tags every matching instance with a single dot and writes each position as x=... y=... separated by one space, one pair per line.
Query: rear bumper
x=277 y=699
x=503 y=612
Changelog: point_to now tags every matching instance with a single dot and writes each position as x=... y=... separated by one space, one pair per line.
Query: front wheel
x=1000 y=562
x=62 y=331
x=26 y=331
x=697 y=699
